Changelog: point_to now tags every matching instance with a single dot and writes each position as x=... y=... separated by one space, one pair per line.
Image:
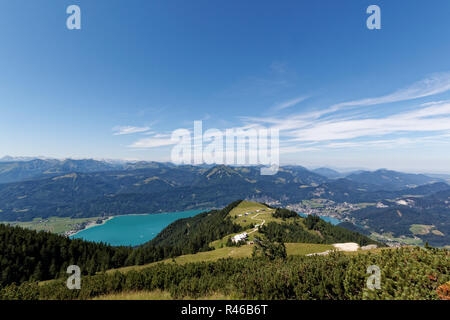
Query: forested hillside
x=425 y=217
x=324 y=232
x=30 y=255
x=391 y=180
x=16 y=170
x=409 y=273
x=194 y=234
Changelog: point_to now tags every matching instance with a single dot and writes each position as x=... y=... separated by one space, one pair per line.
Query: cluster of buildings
x=243 y=236
x=324 y=207
x=247 y=213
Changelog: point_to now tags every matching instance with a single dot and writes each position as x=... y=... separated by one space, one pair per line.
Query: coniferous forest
x=407 y=273
x=30 y=255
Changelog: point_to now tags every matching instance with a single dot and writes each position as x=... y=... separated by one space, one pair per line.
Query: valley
x=368 y=202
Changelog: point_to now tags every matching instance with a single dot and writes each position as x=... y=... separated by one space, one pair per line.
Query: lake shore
x=89 y=225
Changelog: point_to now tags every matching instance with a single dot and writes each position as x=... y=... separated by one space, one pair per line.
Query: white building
x=239 y=237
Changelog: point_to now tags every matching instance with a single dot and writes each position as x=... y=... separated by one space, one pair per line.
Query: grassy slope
x=253 y=217
x=232 y=252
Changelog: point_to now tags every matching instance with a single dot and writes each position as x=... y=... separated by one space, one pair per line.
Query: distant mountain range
x=445 y=177
x=383 y=178
x=154 y=187
x=15 y=169
x=329 y=173
x=90 y=188
x=21 y=169
x=391 y=180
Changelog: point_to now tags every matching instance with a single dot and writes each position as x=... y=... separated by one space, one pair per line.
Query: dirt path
x=253 y=218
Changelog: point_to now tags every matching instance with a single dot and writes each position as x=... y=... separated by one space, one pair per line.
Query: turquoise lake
x=132 y=230
x=331 y=220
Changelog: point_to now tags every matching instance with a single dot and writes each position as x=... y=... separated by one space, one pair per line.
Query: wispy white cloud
x=288 y=104
x=421 y=120
x=121 y=130
x=329 y=129
x=434 y=84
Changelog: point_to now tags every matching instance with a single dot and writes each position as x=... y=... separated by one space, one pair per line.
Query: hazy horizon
x=340 y=169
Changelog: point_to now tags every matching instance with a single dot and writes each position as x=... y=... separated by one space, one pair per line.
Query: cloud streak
x=434 y=84
x=327 y=128
x=123 y=130
x=288 y=104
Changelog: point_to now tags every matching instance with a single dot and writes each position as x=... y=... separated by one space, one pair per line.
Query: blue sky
x=341 y=95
